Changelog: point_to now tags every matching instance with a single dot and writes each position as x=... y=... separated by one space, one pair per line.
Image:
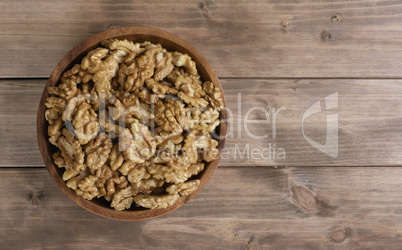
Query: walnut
x=55 y=109
x=85 y=123
x=119 y=182
x=87 y=187
x=168 y=146
x=133 y=122
x=71 y=107
x=103 y=70
x=138 y=144
x=115 y=184
x=54 y=131
x=193 y=101
x=68 y=86
x=77 y=74
x=67 y=89
x=195 y=169
x=55 y=103
x=130 y=119
x=191 y=91
x=54 y=139
x=127 y=104
x=163 y=156
x=170 y=143
x=189 y=85
x=104 y=174
x=147 y=97
x=93 y=60
x=123 y=199
x=116 y=158
x=110 y=126
x=58 y=159
x=208 y=120
x=147 y=186
x=98 y=151
x=184 y=188
x=116 y=44
x=184 y=60
x=119 y=109
x=163 y=65
x=174 y=172
x=120 y=55
x=133 y=76
x=51 y=115
x=205 y=120
x=108 y=182
x=210 y=154
x=72 y=155
x=189 y=147
x=73 y=182
x=102 y=78
x=126 y=167
x=159 y=89
x=130 y=48
x=154 y=202
x=214 y=95
x=144 y=113
x=165 y=116
x=123 y=50
x=137 y=174
x=208 y=145
x=127 y=99
x=55 y=127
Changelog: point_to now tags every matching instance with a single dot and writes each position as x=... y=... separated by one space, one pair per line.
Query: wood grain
x=249 y=43
x=239 y=38
x=19 y=101
x=284 y=208
x=370 y=114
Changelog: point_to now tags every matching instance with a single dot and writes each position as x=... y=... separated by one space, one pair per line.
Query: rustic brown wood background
x=276 y=54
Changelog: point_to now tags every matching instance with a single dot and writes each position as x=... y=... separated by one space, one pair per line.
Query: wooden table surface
x=275 y=59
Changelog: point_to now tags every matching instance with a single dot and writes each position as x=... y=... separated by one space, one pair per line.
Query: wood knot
x=205 y=8
x=35 y=201
x=253 y=244
x=336 y=18
x=338 y=235
x=325 y=35
x=304 y=198
x=35 y=198
x=285 y=26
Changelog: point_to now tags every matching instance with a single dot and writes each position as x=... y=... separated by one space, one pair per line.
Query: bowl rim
x=77 y=53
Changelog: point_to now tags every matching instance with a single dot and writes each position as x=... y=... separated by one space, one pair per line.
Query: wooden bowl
x=136 y=34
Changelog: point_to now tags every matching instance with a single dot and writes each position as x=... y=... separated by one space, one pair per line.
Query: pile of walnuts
x=133 y=123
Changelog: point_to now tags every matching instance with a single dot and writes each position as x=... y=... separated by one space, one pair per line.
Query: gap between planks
x=242 y=78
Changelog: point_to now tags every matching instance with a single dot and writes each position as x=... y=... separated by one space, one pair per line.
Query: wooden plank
x=284 y=208
x=369 y=117
x=369 y=114
x=19 y=101
x=239 y=38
